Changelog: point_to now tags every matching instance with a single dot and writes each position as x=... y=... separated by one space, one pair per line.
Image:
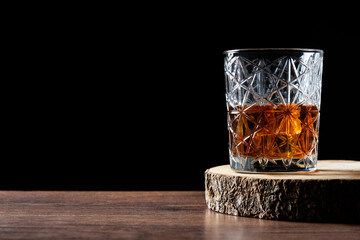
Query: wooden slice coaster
x=330 y=194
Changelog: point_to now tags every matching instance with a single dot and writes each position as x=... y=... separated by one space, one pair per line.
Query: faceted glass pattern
x=273 y=104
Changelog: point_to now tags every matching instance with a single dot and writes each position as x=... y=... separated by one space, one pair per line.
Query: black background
x=132 y=98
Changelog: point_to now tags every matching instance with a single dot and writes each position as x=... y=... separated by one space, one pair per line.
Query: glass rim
x=274 y=50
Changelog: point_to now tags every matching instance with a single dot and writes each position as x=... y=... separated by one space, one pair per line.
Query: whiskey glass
x=273 y=108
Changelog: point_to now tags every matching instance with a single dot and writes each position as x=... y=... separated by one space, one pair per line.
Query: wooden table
x=142 y=215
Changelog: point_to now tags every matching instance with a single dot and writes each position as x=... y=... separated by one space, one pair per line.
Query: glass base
x=246 y=164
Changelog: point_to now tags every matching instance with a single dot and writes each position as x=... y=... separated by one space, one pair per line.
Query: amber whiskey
x=273 y=132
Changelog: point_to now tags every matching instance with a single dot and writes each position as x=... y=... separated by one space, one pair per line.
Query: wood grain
x=142 y=215
x=331 y=194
